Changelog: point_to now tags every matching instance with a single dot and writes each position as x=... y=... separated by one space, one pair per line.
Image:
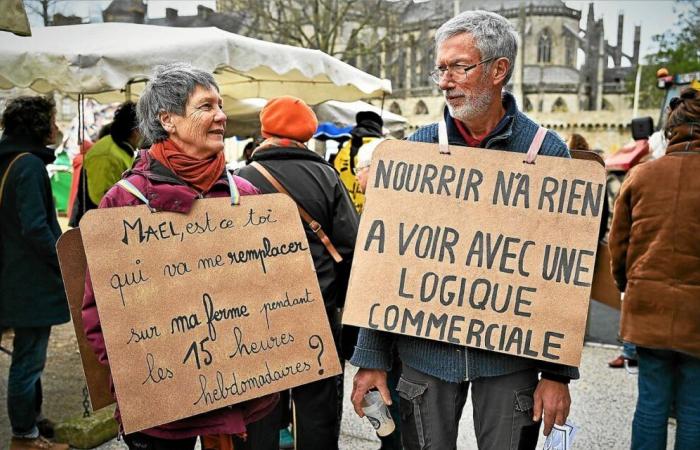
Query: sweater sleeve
x=553 y=145
x=558 y=372
x=373 y=350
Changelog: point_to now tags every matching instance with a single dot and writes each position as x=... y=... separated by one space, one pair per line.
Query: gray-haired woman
x=180 y=112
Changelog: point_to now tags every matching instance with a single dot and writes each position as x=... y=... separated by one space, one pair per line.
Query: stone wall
x=604 y=130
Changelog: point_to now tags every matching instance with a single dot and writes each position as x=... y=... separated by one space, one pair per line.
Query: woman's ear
x=166 y=121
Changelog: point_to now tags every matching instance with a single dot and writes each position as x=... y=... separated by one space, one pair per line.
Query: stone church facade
x=548 y=76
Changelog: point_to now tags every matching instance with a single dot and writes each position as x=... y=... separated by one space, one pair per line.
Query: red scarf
x=200 y=173
x=471 y=141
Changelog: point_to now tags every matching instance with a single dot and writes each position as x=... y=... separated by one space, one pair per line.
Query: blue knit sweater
x=451 y=362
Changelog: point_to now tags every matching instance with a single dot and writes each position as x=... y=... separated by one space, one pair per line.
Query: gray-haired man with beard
x=475 y=53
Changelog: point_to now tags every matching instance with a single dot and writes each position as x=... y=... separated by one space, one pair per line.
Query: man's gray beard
x=473 y=106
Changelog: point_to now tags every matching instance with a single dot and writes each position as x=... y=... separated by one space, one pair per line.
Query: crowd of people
x=655 y=256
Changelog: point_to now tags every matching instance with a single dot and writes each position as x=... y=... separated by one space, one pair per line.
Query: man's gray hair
x=493 y=34
x=168 y=90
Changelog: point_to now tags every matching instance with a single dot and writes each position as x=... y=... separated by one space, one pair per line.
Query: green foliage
x=679 y=52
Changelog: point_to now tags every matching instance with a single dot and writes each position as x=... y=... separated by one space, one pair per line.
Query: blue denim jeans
x=24 y=394
x=629 y=350
x=667 y=377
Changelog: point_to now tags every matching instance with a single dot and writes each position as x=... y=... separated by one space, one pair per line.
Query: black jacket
x=315 y=185
x=31 y=289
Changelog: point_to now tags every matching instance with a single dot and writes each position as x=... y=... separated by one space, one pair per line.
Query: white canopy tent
x=343 y=113
x=244 y=115
x=109 y=61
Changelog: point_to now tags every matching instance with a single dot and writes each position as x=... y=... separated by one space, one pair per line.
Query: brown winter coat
x=655 y=249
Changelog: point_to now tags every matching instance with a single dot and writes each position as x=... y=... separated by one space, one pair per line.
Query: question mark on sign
x=316 y=342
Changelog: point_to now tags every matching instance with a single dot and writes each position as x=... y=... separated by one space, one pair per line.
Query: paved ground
x=603 y=400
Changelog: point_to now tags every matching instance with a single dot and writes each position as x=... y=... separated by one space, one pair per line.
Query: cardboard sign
x=604 y=288
x=71 y=257
x=478 y=248
x=208 y=309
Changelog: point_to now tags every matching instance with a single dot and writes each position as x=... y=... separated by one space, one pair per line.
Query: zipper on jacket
x=466 y=363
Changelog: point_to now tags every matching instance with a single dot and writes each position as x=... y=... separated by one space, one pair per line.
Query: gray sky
x=655 y=17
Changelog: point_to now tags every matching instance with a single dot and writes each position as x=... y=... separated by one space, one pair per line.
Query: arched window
x=544 y=47
x=395 y=108
x=421 y=108
x=560 y=105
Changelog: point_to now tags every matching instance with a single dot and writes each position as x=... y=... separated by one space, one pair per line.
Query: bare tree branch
x=338 y=27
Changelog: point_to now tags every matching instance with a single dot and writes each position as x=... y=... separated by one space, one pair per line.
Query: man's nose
x=446 y=82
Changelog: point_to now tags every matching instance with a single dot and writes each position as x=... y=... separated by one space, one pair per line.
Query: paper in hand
x=561 y=437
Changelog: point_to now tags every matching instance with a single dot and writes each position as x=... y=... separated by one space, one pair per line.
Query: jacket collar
x=282 y=153
x=155 y=172
x=684 y=138
x=16 y=144
x=503 y=130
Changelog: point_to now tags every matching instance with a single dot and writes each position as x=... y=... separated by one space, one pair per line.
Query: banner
x=207 y=309
x=478 y=248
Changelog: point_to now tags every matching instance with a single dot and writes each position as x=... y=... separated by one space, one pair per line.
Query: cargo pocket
x=410 y=406
x=525 y=430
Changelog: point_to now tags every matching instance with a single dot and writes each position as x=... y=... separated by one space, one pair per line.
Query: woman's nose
x=220 y=115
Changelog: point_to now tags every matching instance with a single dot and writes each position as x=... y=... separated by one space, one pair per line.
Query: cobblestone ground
x=603 y=400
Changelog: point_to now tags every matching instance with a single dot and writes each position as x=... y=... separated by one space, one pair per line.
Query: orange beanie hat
x=288 y=117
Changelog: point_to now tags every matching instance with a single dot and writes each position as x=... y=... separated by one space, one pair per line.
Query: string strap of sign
x=7 y=173
x=235 y=195
x=133 y=190
x=442 y=138
x=310 y=221
x=535 y=145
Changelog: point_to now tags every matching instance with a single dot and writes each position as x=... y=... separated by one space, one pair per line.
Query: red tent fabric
x=628 y=156
x=77 y=166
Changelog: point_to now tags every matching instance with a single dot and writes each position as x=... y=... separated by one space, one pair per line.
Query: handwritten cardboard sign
x=208 y=309
x=71 y=257
x=478 y=249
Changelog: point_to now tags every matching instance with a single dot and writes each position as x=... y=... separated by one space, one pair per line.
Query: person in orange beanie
x=288 y=117
x=287 y=123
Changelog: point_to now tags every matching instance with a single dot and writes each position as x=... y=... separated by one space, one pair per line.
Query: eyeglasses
x=457 y=71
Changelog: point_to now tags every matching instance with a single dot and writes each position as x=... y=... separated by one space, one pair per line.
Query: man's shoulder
x=552 y=145
x=426 y=133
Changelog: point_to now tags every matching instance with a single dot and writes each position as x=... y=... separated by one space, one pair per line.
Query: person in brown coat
x=655 y=249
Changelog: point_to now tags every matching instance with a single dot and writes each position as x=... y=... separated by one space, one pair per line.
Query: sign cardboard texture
x=478 y=248
x=604 y=288
x=207 y=309
x=71 y=257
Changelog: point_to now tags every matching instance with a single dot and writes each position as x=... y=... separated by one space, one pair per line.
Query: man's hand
x=366 y=379
x=552 y=397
